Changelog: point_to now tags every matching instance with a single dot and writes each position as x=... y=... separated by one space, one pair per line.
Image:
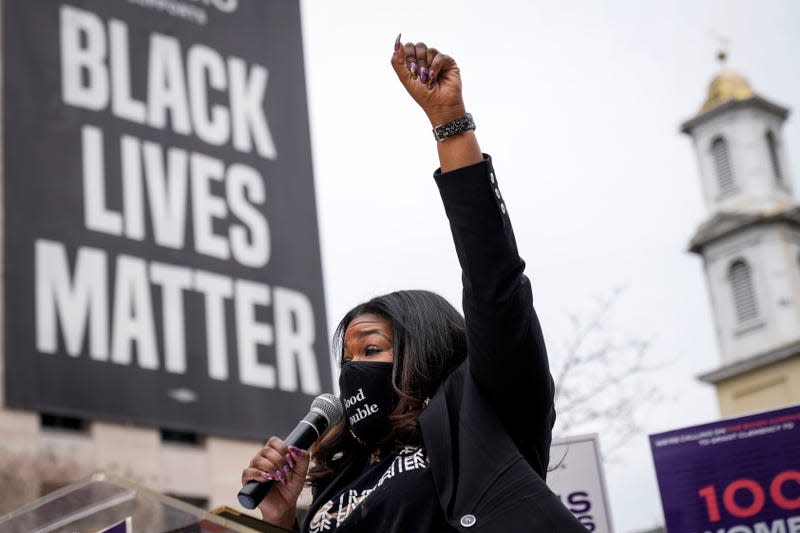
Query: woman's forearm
x=459 y=151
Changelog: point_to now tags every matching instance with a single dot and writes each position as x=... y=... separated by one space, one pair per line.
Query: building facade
x=41 y=453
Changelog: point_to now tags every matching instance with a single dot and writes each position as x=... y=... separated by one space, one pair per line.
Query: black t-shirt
x=391 y=495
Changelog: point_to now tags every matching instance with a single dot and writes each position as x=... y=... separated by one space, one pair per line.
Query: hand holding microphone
x=275 y=476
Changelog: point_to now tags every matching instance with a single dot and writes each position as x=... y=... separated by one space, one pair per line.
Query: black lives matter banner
x=161 y=246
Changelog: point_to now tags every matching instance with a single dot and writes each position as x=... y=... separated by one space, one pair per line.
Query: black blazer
x=487 y=430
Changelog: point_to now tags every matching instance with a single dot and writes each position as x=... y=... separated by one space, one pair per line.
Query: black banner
x=161 y=246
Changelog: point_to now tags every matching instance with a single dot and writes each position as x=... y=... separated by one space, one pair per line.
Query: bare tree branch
x=601 y=380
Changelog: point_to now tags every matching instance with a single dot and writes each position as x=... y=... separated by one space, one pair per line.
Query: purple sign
x=740 y=475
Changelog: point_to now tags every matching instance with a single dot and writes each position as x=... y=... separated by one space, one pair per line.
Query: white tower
x=750 y=245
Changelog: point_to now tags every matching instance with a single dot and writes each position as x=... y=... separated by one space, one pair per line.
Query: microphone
x=326 y=410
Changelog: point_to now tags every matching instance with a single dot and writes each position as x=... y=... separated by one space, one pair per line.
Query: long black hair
x=428 y=342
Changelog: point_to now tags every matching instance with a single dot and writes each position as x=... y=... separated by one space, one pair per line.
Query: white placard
x=576 y=476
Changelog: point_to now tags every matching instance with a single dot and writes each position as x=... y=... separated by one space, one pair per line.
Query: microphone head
x=329 y=406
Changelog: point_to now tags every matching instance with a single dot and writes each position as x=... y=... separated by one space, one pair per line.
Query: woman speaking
x=448 y=420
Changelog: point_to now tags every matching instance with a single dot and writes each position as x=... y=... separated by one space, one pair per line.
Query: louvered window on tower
x=722 y=164
x=744 y=296
x=773 y=157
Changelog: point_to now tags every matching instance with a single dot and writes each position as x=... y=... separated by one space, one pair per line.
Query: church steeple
x=739 y=144
x=750 y=243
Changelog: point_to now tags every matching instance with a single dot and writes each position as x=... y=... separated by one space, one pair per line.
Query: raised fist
x=431 y=78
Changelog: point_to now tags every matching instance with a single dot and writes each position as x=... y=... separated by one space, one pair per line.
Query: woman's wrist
x=287 y=521
x=443 y=115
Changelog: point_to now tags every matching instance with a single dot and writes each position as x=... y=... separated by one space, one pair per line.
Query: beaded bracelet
x=454 y=127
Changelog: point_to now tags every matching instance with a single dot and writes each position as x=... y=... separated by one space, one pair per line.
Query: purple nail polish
x=297 y=452
x=431 y=84
x=424 y=75
x=414 y=70
x=266 y=476
x=397 y=44
x=290 y=460
x=279 y=476
x=287 y=471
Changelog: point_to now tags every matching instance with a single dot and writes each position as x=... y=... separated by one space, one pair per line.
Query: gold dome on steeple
x=727 y=85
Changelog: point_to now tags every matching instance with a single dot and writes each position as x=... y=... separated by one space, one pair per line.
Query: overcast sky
x=579 y=104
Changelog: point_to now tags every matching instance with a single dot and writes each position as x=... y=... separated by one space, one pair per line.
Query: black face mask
x=368 y=397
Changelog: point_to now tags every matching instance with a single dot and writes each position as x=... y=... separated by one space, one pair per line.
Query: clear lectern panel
x=107 y=505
